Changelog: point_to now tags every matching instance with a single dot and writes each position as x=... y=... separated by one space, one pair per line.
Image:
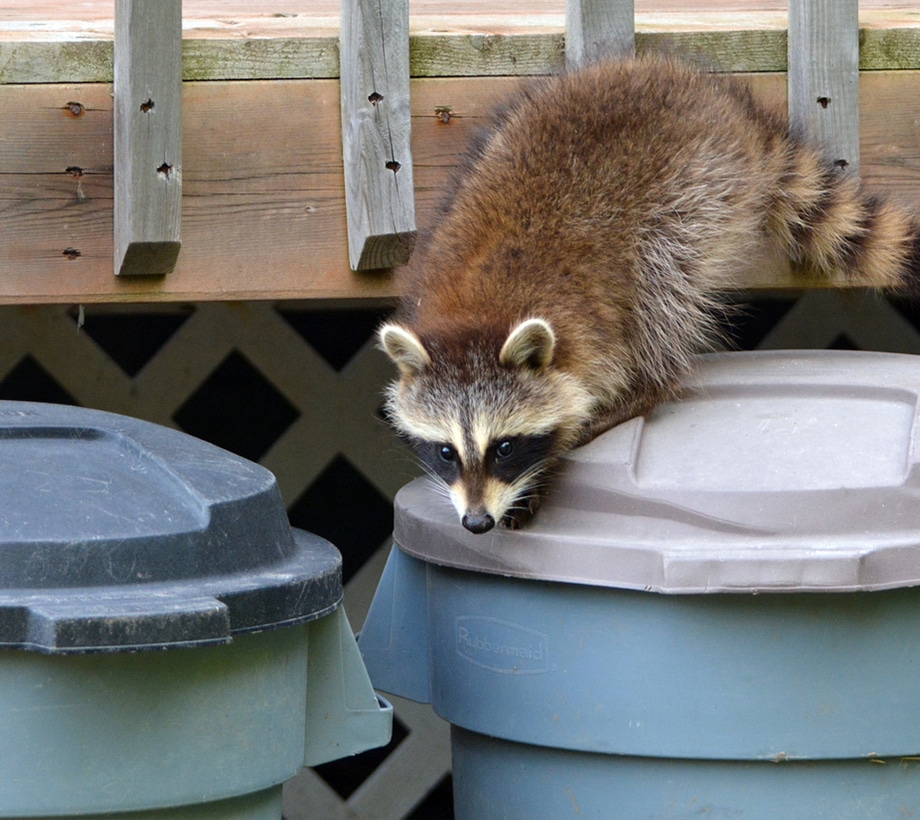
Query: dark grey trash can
x=715 y=614
x=169 y=646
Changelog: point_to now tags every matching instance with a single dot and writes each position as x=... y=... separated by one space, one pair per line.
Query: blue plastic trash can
x=169 y=646
x=715 y=614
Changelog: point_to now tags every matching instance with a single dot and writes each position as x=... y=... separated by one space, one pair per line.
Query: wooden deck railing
x=265 y=120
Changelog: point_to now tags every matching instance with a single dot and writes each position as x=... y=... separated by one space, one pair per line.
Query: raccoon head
x=487 y=415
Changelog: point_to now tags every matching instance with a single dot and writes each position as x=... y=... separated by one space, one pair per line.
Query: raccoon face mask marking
x=486 y=486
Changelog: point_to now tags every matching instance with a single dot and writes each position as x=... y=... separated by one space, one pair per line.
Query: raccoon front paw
x=519 y=515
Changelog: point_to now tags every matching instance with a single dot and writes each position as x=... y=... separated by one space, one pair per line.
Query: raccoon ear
x=530 y=344
x=404 y=348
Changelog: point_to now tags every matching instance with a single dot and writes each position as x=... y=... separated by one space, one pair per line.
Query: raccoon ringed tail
x=827 y=223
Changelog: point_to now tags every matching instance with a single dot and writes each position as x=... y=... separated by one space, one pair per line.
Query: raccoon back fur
x=576 y=265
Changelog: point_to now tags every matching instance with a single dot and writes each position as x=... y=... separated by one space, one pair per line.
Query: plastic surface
x=212 y=732
x=394 y=640
x=344 y=716
x=767 y=677
x=775 y=472
x=567 y=700
x=123 y=732
x=496 y=780
x=259 y=806
x=117 y=534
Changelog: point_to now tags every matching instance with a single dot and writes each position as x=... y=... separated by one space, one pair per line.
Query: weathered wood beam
x=376 y=132
x=750 y=42
x=148 y=136
x=824 y=76
x=262 y=223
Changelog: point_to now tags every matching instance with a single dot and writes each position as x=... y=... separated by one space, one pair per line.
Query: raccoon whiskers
x=436 y=480
x=437 y=483
x=441 y=488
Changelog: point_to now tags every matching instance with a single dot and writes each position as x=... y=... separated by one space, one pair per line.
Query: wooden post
x=598 y=29
x=824 y=76
x=148 y=136
x=374 y=68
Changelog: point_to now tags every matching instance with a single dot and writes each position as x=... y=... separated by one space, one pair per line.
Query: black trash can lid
x=118 y=534
x=776 y=471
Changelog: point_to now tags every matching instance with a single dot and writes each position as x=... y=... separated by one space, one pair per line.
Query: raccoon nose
x=478 y=521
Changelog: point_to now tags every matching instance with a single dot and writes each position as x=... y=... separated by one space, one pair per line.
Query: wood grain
x=596 y=29
x=44 y=43
x=824 y=76
x=376 y=132
x=148 y=136
x=260 y=222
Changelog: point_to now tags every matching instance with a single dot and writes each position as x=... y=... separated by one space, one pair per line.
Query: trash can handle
x=394 y=640
x=115 y=623
x=344 y=715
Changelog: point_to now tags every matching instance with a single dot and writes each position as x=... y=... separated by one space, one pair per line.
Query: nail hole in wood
x=374 y=98
x=147 y=106
x=824 y=102
x=74 y=170
x=393 y=165
x=71 y=253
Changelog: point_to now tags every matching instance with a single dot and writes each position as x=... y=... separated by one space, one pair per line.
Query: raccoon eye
x=504 y=449
x=447 y=453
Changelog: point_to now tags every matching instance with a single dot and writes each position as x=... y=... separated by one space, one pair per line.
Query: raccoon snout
x=478 y=521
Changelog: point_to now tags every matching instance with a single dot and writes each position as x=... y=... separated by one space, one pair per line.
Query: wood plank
x=376 y=133
x=473 y=38
x=490 y=54
x=148 y=136
x=263 y=223
x=824 y=76
x=255 y=219
x=595 y=29
x=259 y=17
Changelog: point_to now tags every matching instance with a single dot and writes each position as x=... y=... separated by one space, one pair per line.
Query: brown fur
x=615 y=203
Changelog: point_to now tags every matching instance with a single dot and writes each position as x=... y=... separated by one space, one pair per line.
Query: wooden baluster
x=148 y=136
x=598 y=29
x=374 y=68
x=824 y=76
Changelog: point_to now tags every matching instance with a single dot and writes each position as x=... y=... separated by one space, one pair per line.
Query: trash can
x=715 y=614
x=169 y=646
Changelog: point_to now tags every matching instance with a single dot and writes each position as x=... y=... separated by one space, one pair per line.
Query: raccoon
x=576 y=265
